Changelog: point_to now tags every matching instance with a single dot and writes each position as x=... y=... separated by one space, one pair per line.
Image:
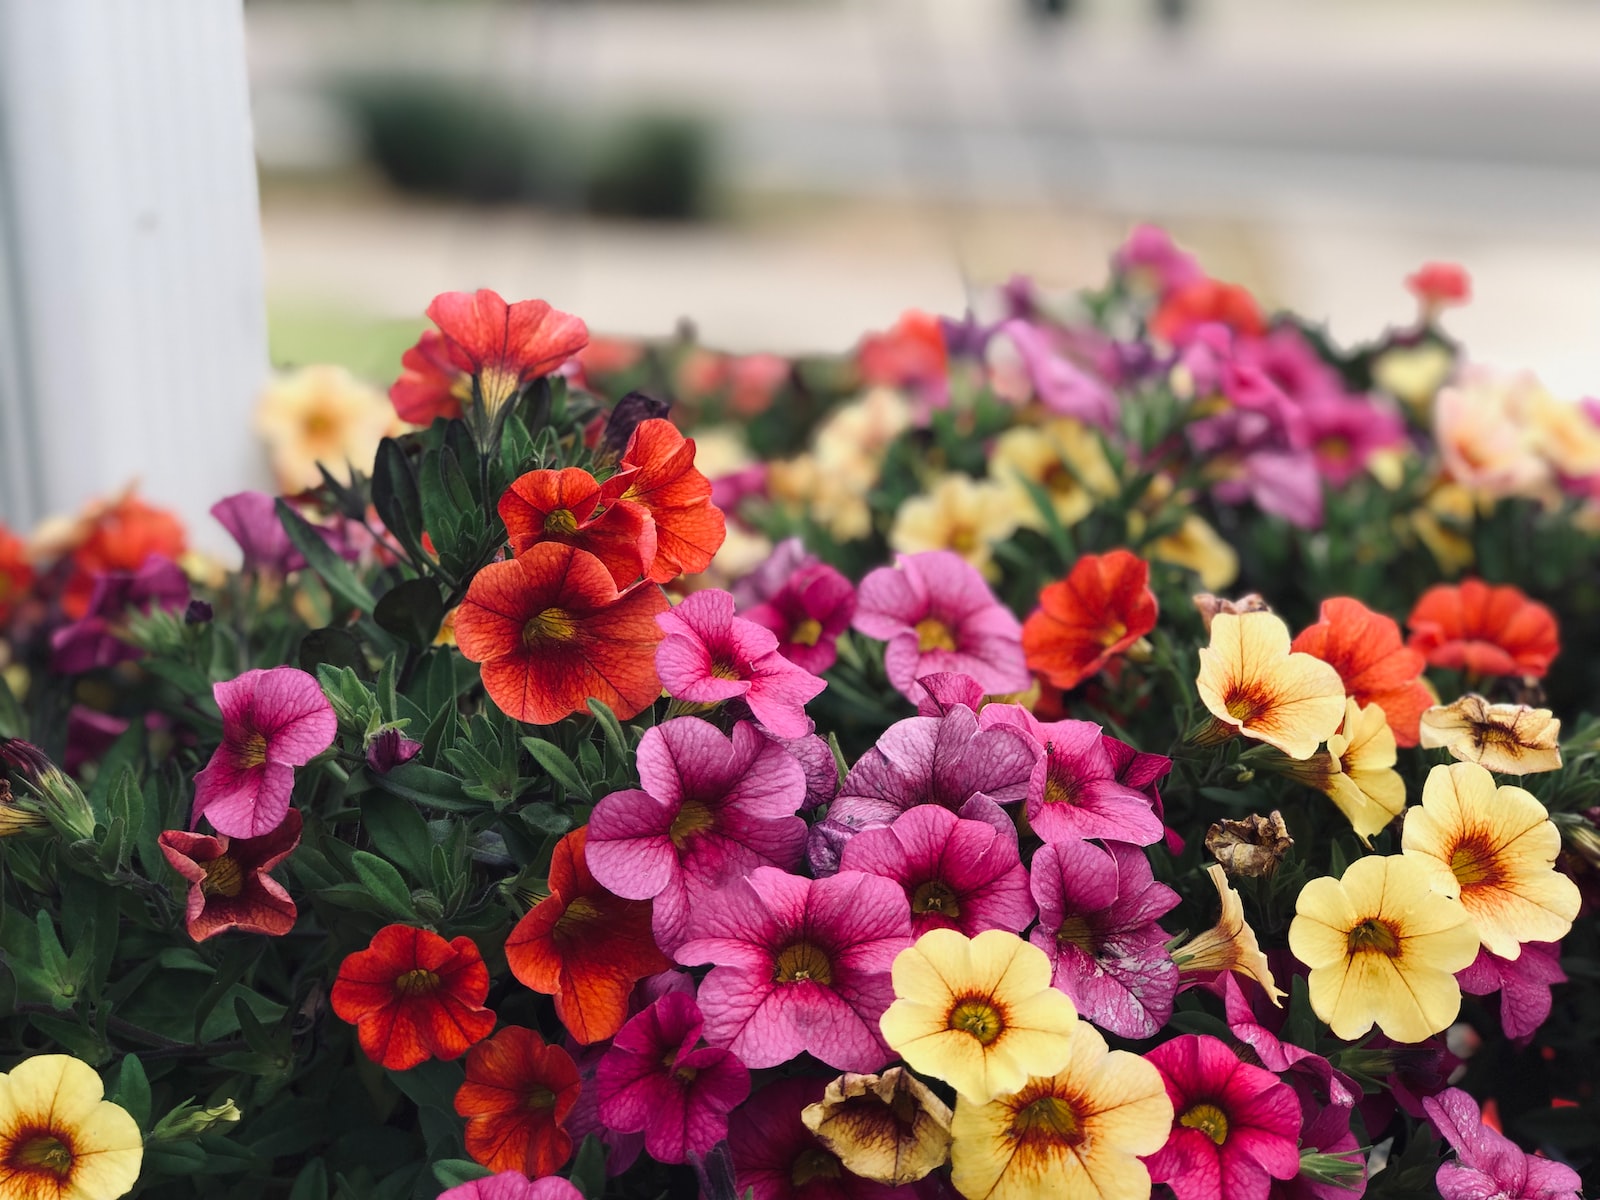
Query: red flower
x=119 y=537
x=16 y=573
x=413 y=996
x=1206 y=301
x=689 y=528
x=1102 y=607
x=1439 y=285
x=584 y=946
x=517 y=1094
x=431 y=385
x=551 y=631
x=1484 y=630
x=504 y=346
x=230 y=887
x=1377 y=667
x=912 y=352
x=571 y=507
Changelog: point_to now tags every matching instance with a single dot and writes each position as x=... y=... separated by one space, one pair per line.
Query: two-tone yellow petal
x=1252 y=684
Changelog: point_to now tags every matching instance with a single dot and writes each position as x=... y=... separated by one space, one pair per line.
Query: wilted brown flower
x=889 y=1128
x=1509 y=739
x=1252 y=847
x=1209 y=606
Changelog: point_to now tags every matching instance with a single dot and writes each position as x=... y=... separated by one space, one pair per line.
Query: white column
x=132 y=320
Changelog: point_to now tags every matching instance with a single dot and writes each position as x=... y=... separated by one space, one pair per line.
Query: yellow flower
x=1565 y=434
x=1495 y=849
x=1200 y=548
x=1254 y=686
x=59 y=1136
x=962 y=514
x=1510 y=739
x=321 y=414
x=1229 y=945
x=889 y=1128
x=1485 y=434
x=978 y=1013
x=1383 y=948
x=1079 y=1132
x=1062 y=456
x=1441 y=525
x=833 y=497
x=1414 y=374
x=1356 y=771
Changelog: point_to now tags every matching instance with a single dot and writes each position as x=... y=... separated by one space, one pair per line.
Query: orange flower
x=502 y=347
x=689 y=528
x=584 y=946
x=119 y=537
x=1377 y=667
x=1484 y=630
x=517 y=1094
x=16 y=573
x=551 y=631
x=1102 y=607
x=1203 y=301
x=413 y=996
x=571 y=507
x=913 y=351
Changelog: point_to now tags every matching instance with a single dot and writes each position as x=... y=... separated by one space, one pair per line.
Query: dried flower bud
x=1253 y=847
x=1209 y=606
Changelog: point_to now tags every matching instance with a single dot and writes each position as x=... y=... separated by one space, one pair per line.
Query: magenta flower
x=1346 y=432
x=1489 y=1165
x=711 y=809
x=251 y=519
x=654 y=1079
x=938 y=615
x=1073 y=792
x=775 y=1157
x=964 y=875
x=1234 y=1126
x=764 y=582
x=709 y=656
x=948 y=761
x=90 y=733
x=1314 y=1079
x=1141 y=772
x=943 y=691
x=1098 y=909
x=1524 y=985
x=95 y=639
x=391 y=749
x=272 y=722
x=1326 y=1131
x=1060 y=384
x=807 y=615
x=514 y=1185
x=816 y=759
x=1149 y=261
x=799 y=966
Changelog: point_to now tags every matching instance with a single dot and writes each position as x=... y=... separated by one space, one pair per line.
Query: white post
x=132 y=321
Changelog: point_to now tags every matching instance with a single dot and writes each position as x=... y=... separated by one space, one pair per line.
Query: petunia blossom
x=807 y=614
x=956 y=874
x=1376 y=665
x=1254 y=686
x=655 y=1079
x=272 y=722
x=1098 y=914
x=1509 y=739
x=502 y=347
x=571 y=507
x=889 y=1127
x=938 y=615
x=516 y=1098
x=775 y=1157
x=799 y=966
x=430 y=383
x=96 y=638
x=513 y=1185
x=1484 y=630
x=1489 y=1164
x=712 y=808
x=662 y=478
x=1097 y=612
x=229 y=884
x=1524 y=985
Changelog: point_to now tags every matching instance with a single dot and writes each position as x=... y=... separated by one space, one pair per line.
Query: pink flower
x=1326 y=1131
x=800 y=966
x=514 y=1185
x=938 y=615
x=1073 y=792
x=1523 y=984
x=964 y=875
x=653 y=1079
x=229 y=887
x=776 y=1157
x=709 y=656
x=807 y=615
x=1060 y=384
x=1234 y=1126
x=712 y=809
x=95 y=639
x=272 y=722
x=1488 y=1164
x=1313 y=1078
x=391 y=749
x=1345 y=432
x=1141 y=772
x=1097 y=921
x=1150 y=261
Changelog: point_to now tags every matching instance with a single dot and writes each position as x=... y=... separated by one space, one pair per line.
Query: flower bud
x=1253 y=847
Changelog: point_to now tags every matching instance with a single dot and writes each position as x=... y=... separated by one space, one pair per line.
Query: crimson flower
x=516 y=1099
x=1101 y=608
x=571 y=507
x=229 y=884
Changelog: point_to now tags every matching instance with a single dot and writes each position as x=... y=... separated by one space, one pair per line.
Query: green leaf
x=588 y=1172
x=428 y=787
x=452 y=1172
x=133 y=1090
x=616 y=740
x=557 y=765
x=334 y=647
x=398 y=832
x=411 y=611
x=380 y=878
x=13 y=723
x=311 y=1183
x=395 y=496
x=319 y=556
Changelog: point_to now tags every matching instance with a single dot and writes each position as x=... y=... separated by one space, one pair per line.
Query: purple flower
x=1490 y=1166
x=95 y=639
x=514 y=1185
x=654 y=1080
x=391 y=749
x=761 y=584
x=816 y=759
x=711 y=809
x=963 y=875
x=90 y=733
x=1061 y=385
x=1141 y=772
x=807 y=614
x=251 y=519
x=938 y=615
x=1523 y=984
x=709 y=656
x=1097 y=921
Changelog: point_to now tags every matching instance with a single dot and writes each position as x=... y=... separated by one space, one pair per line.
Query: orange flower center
x=1075 y=931
x=1336 y=448
x=551 y=625
x=223 y=877
x=1208 y=1119
x=802 y=961
x=1373 y=935
x=934 y=634
x=541 y=1098
x=416 y=982
x=1473 y=864
x=1246 y=703
x=807 y=633
x=253 y=751
x=693 y=818
x=963 y=539
x=319 y=428
x=936 y=896
x=42 y=1152
x=979 y=1016
x=561 y=521
x=1049 y=1119
x=814 y=1163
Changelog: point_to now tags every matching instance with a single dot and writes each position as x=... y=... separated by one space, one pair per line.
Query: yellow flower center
x=416 y=982
x=722 y=670
x=1075 y=931
x=497 y=385
x=1245 y=704
x=43 y=1153
x=963 y=539
x=934 y=634
x=319 y=427
x=1112 y=632
x=802 y=961
x=1473 y=864
x=692 y=819
x=551 y=625
x=978 y=1016
x=1373 y=935
x=815 y=1163
x=253 y=752
x=223 y=877
x=541 y=1098
x=807 y=633
x=1208 y=1119
x=1049 y=1119
x=561 y=521
x=936 y=896
x=1057 y=790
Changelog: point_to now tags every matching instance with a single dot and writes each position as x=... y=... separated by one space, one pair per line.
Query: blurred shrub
x=443 y=139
